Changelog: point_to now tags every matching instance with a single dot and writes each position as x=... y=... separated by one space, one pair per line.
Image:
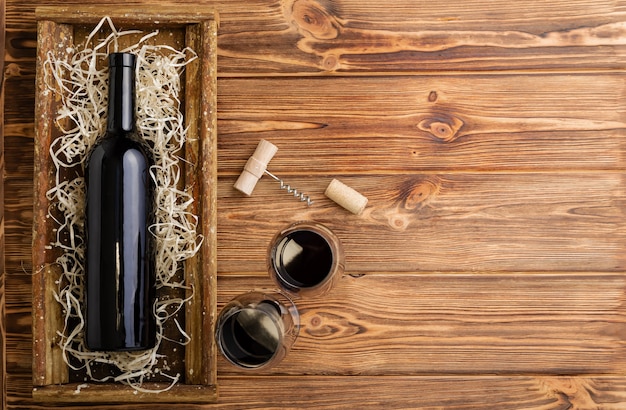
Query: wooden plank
x=22 y=90
x=356 y=36
x=521 y=122
x=3 y=352
x=19 y=338
x=456 y=324
x=488 y=392
x=18 y=219
x=308 y=36
x=290 y=37
x=393 y=392
x=441 y=222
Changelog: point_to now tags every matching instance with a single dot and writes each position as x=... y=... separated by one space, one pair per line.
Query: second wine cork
x=346 y=197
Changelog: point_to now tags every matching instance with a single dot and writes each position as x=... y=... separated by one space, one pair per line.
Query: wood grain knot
x=315 y=19
x=331 y=63
x=441 y=127
x=572 y=392
x=12 y=70
x=329 y=325
x=399 y=222
x=416 y=195
x=413 y=202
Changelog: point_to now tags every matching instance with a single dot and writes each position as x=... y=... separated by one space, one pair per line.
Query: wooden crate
x=58 y=29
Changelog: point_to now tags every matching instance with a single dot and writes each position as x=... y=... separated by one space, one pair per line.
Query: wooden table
x=489 y=268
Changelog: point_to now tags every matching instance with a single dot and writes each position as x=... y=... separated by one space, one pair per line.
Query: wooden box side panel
x=54 y=38
x=201 y=178
x=138 y=16
x=117 y=393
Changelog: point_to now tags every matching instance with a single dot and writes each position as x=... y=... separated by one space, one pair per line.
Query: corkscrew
x=257 y=166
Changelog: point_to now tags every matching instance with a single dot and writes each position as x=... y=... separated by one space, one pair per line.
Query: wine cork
x=345 y=196
x=255 y=167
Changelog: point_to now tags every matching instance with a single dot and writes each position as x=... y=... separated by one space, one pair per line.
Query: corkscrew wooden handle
x=255 y=167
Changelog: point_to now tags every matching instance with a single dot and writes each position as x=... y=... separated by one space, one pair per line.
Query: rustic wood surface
x=488 y=270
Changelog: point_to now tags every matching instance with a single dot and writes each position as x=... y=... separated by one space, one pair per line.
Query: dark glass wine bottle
x=119 y=208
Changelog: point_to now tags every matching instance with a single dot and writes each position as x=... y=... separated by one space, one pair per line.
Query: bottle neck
x=121 y=114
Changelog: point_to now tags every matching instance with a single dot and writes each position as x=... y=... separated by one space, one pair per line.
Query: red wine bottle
x=119 y=209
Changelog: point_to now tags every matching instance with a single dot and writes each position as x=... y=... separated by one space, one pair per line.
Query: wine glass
x=257 y=329
x=305 y=259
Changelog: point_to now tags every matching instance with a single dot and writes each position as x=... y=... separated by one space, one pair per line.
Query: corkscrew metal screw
x=301 y=195
x=257 y=166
